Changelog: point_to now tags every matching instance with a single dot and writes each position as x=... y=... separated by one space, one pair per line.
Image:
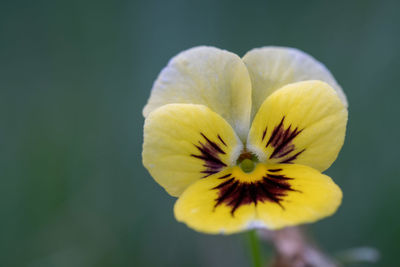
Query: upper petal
x=270 y=68
x=208 y=76
x=184 y=143
x=303 y=123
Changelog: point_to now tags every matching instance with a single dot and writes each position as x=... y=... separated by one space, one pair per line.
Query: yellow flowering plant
x=243 y=142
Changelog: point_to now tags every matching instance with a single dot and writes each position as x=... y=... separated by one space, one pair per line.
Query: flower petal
x=301 y=123
x=271 y=68
x=186 y=142
x=198 y=208
x=312 y=196
x=208 y=76
x=272 y=196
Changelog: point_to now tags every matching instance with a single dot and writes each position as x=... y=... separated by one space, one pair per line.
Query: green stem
x=255 y=248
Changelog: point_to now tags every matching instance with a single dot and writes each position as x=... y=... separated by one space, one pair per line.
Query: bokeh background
x=75 y=75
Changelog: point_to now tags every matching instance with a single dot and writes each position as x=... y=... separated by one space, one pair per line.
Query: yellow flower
x=242 y=142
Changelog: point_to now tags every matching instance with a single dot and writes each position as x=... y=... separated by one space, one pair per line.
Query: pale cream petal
x=271 y=68
x=208 y=76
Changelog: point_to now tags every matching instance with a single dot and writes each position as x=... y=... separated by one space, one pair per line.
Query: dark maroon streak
x=279 y=177
x=225 y=176
x=289 y=160
x=225 y=192
x=234 y=193
x=210 y=153
x=281 y=141
x=274 y=132
x=222 y=141
x=224 y=183
x=263 y=136
x=274 y=170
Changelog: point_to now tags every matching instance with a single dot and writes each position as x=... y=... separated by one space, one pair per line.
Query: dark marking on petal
x=272 y=197
x=208 y=172
x=287 y=150
x=225 y=176
x=222 y=141
x=225 y=192
x=283 y=147
x=225 y=183
x=289 y=160
x=211 y=160
x=253 y=193
x=242 y=194
x=273 y=135
x=274 y=170
x=281 y=140
x=280 y=177
x=214 y=145
x=210 y=153
x=277 y=185
x=263 y=136
x=234 y=193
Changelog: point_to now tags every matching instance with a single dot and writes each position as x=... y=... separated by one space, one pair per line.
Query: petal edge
x=184 y=143
x=207 y=76
x=273 y=67
x=302 y=123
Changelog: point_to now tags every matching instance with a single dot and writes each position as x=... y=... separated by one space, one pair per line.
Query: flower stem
x=255 y=248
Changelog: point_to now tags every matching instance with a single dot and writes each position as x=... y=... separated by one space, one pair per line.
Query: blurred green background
x=75 y=75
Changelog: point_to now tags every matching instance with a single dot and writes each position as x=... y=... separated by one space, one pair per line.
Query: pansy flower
x=243 y=142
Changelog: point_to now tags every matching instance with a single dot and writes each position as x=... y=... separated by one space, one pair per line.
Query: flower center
x=247 y=165
x=247 y=161
x=264 y=183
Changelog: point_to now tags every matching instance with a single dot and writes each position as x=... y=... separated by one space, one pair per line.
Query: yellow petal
x=271 y=68
x=208 y=76
x=312 y=196
x=198 y=208
x=272 y=196
x=186 y=142
x=301 y=123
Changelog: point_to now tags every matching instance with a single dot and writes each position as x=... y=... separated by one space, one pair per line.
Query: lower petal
x=198 y=207
x=272 y=196
x=313 y=196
